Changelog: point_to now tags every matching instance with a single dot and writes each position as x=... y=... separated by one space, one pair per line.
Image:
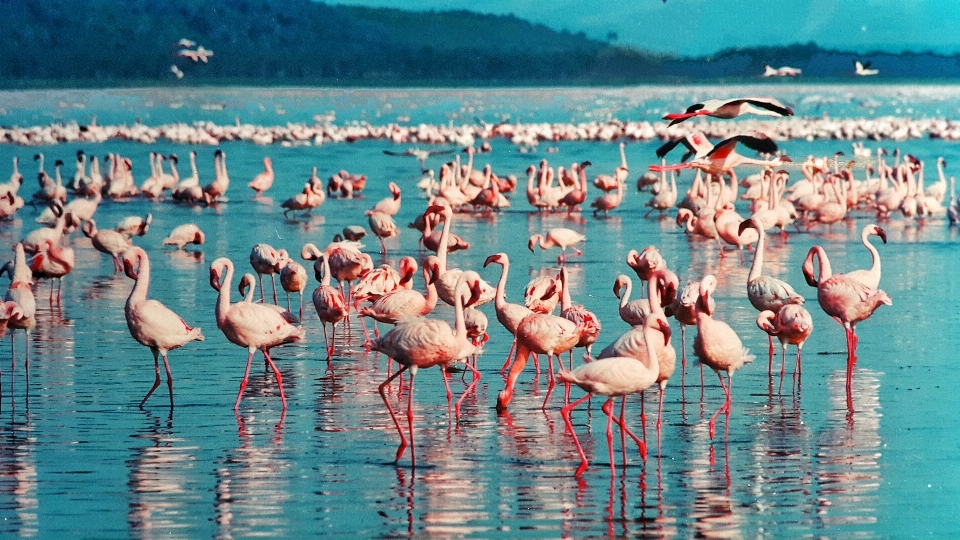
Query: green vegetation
x=299 y=42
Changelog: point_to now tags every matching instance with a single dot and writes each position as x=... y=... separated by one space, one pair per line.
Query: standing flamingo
x=423 y=343
x=250 y=325
x=266 y=260
x=847 y=300
x=448 y=276
x=793 y=325
x=717 y=345
x=558 y=237
x=21 y=292
x=330 y=305
x=264 y=180
x=150 y=322
x=293 y=278
x=871 y=277
x=188 y=233
x=107 y=241
x=508 y=314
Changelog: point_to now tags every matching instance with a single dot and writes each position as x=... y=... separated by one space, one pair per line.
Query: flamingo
x=849 y=301
x=21 y=292
x=558 y=237
x=107 y=241
x=264 y=180
x=793 y=325
x=862 y=69
x=509 y=315
x=383 y=227
x=732 y=108
x=266 y=260
x=250 y=325
x=53 y=262
x=613 y=377
x=390 y=205
x=384 y=280
x=346 y=261
x=608 y=182
x=588 y=324
x=329 y=303
x=646 y=263
x=293 y=278
x=765 y=292
x=423 y=343
x=151 y=323
x=248 y=289
x=401 y=304
x=431 y=237
x=717 y=346
x=448 y=276
x=723 y=158
x=608 y=201
x=633 y=312
x=134 y=225
x=696 y=143
x=188 y=233
x=541 y=295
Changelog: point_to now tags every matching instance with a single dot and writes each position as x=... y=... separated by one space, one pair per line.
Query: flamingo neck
x=223 y=301
x=875 y=267
x=500 y=300
x=757 y=268
x=326 y=271
x=444 y=237
x=565 y=301
x=625 y=297
x=139 y=292
x=432 y=296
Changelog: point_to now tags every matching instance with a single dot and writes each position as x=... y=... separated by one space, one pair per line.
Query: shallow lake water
x=80 y=460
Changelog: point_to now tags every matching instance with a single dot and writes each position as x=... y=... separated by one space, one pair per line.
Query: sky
x=702 y=27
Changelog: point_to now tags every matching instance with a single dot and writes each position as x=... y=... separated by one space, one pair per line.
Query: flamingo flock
x=638 y=359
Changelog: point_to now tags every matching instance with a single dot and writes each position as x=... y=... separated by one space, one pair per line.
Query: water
x=81 y=460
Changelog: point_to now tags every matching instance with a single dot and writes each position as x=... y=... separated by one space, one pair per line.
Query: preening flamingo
x=717 y=345
x=188 y=233
x=250 y=325
x=21 y=292
x=151 y=323
x=107 y=241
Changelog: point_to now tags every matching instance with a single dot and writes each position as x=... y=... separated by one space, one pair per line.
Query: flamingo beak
x=128 y=269
x=491 y=259
x=744 y=225
x=214 y=278
x=665 y=328
x=475 y=291
x=616 y=288
x=530 y=244
x=551 y=291
x=882 y=234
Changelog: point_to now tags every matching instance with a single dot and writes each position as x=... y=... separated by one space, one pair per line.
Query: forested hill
x=300 y=42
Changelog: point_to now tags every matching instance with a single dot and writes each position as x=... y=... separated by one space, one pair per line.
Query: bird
x=53 y=261
x=617 y=376
x=311 y=197
x=389 y=205
x=266 y=260
x=448 y=276
x=792 y=325
x=784 y=71
x=177 y=72
x=696 y=143
x=383 y=227
x=250 y=325
x=264 y=180
x=188 y=233
x=717 y=346
x=134 y=225
x=420 y=155
x=508 y=314
x=633 y=312
x=863 y=69
x=542 y=294
x=21 y=292
x=847 y=300
x=151 y=323
x=765 y=292
x=871 y=277
x=558 y=237
x=329 y=303
x=646 y=263
x=402 y=303
x=723 y=158
x=422 y=343
x=293 y=278
x=107 y=241
x=732 y=108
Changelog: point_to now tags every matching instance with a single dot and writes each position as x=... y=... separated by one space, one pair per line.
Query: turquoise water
x=81 y=460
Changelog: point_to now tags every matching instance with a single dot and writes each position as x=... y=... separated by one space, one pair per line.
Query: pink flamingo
x=264 y=180
x=250 y=325
x=608 y=201
x=560 y=237
x=793 y=325
x=732 y=108
x=330 y=305
x=717 y=345
x=346 y=261
x=448 y=276
x=383 y=227
x=53 y=262
x=845 y=299
x=431 y=237
x=423 y=343
x=401 y=304
x=508 y=314
x=384 y=280
x=541 y=295
x=390 y=205
x=871 y=277
x=266 y=260
x=613 y=377
x=293 y=278
x=21 y=292
x=588 y=324
x=646 y=263
x=188 y=233
x=150 y=322
x=633 y=312
x=106 y=241
x=723 y=158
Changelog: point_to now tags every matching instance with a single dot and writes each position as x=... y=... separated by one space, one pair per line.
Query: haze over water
x=81 y=460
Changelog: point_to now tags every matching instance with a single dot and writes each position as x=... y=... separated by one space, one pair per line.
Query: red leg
x=770 y=354
x=273 y=280
x=724 y=407
x=783 y=365
x=156 y=382
x=246 y=375
x=276 y=373
x=565 y=413
x=509 y=356
x=640 y=445
x=608 y=408
x=413 y=446
x=446 y=383
x=473 y=385
x=518 y=363
x=166 y=365
x=260 y=278
x=384 y=384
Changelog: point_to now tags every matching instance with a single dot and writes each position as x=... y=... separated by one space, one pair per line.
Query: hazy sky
x=697 y=27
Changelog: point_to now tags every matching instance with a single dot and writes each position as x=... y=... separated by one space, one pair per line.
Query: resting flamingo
x=847 y=300
x=264 y=180
x=254 y=326
x=422 y=343
x=402 y=304
x=541 y=295
x=188 y=233
x=293 y=279
x=717 y=346
x=793 y=325
x=150 y=322
x=613 y=377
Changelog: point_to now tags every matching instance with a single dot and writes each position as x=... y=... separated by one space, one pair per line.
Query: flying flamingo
x=765 y=292
x=558 y=237
x=508 y=314
x=847 y=300
x=264 y=180
x=254 y=326
x=732 y=108
x=793 y=325
x=696 y=143
x=423 y=343
x=613 y=377
x=330 y=305
x=717 y=345
x=150 y=322
x=723 y=158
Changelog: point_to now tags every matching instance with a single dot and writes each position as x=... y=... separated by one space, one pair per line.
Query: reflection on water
x=19 y=504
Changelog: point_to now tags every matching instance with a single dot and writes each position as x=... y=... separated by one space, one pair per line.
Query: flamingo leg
x=798 y=370
x=276 y=373
x=301 y=305
x=403 y=439
x=683 y=355
x=260 y=278
x=288 y=301
x=565 y=412
x=413 y=447
x=246 y=375
x=446 y=383
x=663 y=390
x=608 y=408
x=519 y=361
x=770 y=354
x=156 y=382
x=724 y=407
x=851 y=358
x=326 y=342
x=473 y=385
x=509 y=356
x=273 y=280
x=783 y=366
x=166 y=366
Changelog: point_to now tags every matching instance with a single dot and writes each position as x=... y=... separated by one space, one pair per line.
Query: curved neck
x=650 y=334
x=757 y=268
x=251 y=289
x=139 y=292
x=875 y=267
x=444 y=237
x=625 y=297
x=815 y=254
x=326 y=271
x=501 y=299
x=432 y=295
x=193 y=165
x=223 y=301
